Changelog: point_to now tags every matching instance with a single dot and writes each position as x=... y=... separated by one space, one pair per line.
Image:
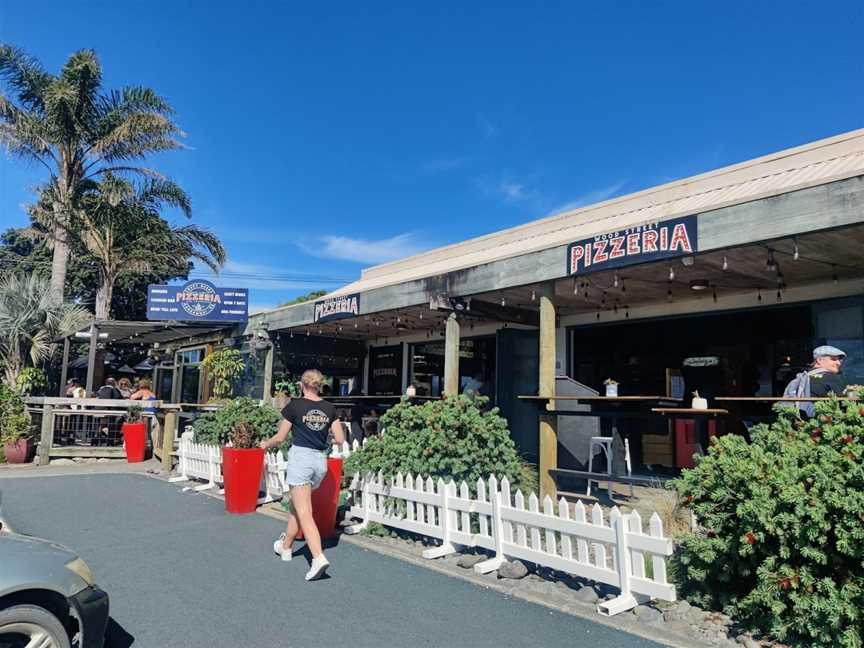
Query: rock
x=89 y=460
x=105 y=460
x=682 y=607
x=750 y=642
x=467 y=561
x=61 y=462
x=514 y=569
x=648 y=614
x=586 y=594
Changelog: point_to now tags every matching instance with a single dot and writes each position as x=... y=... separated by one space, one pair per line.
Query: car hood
x=34 y=563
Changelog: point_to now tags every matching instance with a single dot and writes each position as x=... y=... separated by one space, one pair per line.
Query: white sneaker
x=318 y=567
x=279 y=549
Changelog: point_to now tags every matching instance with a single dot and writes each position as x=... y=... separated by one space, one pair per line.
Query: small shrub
x=452 y=438
x=781 y=539
x=134 y=415
x=215 y=427
x=14 y=420
x=223 y=366
x=242 y=436
x=31 y=381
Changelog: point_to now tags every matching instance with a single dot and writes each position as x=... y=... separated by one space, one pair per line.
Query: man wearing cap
x=825 y=375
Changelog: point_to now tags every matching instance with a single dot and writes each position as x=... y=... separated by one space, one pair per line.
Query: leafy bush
x=14 y=420
x=30 y=381
x=215 y=427
x=781 y=542
x=223 y=366
x=449 y=438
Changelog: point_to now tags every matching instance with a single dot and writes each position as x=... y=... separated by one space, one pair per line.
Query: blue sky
x=326 y=137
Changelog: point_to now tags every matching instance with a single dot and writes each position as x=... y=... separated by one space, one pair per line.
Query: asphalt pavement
x=182 y=573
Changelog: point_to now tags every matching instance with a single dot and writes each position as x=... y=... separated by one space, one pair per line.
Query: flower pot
x=18 y=451
x=134 y=438
x=325 y=500
x=241 y=471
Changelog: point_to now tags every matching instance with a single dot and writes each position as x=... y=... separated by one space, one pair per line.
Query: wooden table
x=781 y=399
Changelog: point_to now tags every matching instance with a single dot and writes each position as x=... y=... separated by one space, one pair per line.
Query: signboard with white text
x=334 y=308
x=197 y=301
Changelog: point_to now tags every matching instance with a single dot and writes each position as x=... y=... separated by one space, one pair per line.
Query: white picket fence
x=547 y=534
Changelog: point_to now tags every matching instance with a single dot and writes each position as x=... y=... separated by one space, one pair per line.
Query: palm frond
x=24 y=75
x=203 y=244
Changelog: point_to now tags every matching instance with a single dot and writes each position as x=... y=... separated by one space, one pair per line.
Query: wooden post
x=64 y=371
x=267 y=397
x=91 y=357
x=548 y=453
x=168 y=434
x=451 y=357
x=47 y=437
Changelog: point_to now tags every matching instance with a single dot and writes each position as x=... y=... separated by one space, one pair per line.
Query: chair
x=605 y=445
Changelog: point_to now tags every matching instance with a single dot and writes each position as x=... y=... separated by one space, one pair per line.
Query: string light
x=795 y=254
x=503 y=302
x=779 y=295
x=623 y=287
x=627 y=312
x=834 y=276
x=759 y=295
x=725 y=262
x=575 y=287
x=615 y=279
x=603 y=299
x=771 y=262
x=598 y=314
x=533 y=296
x=669 y=293
x=671 y=273
x=714 y=295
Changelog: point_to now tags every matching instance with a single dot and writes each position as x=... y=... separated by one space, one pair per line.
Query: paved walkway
x=183 y=573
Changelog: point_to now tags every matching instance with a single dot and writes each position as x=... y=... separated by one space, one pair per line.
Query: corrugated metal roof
x=820 y=162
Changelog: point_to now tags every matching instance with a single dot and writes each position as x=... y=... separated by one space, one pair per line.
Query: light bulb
x=795 y=253
x=771 y=262
x=725 y=263
x=533 y=295
x=759 y=295
x=714 y=295
x=575 y=287
x=503 y=302
x=615 y=280
x=671 y=273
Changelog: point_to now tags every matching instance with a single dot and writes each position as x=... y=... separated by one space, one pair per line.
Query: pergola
x=130 y=333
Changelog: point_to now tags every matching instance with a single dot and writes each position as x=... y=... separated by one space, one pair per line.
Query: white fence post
x=357 y=528
x=625 y=600
x=497 y=531
x=182 y=459
x=447 y=520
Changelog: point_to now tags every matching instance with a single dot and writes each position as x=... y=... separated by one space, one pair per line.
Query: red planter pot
x=325 y=500
x=241 y=472
x=134 y=438
x=18 y=452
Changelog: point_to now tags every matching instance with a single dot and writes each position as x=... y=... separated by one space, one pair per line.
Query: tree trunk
x=59 y=262
x=103 y=297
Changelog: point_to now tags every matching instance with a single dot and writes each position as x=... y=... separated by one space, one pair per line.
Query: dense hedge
x=215 y=427
x=450 y=438
x=781 y=543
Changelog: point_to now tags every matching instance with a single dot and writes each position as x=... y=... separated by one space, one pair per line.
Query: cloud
x=507 y=189
x=598 y=195
x=367 y=251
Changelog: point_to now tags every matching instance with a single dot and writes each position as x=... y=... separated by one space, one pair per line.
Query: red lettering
x=576 y=253
x=680 y=239
x=617 y=247
x=600 y=254
x=632 y=244
x=664 y=238
x=587 y=254
x=649 y=241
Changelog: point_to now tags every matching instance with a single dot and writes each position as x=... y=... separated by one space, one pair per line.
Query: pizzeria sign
x=633 y=245
x=334 y=308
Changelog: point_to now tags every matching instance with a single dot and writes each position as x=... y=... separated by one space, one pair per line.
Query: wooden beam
x=64 y=372
x=47 y=438
x=168 y=434
x=498 y=313
x=91 y=356
x=268 y=372
x=451 y=357
x=548 y=442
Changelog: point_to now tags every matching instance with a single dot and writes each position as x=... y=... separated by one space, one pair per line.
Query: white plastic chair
x=605 y=444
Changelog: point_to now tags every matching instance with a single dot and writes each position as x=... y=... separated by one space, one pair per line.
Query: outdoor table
x=701 y=417
x=614 y=409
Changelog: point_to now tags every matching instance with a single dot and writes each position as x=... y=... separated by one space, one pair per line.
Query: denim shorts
x=306 y=466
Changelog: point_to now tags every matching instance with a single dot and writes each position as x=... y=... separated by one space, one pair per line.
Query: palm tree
x=119 y=226
x=31 y=318
x=78 y=131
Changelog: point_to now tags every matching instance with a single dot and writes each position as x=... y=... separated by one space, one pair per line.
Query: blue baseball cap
x=827 y=350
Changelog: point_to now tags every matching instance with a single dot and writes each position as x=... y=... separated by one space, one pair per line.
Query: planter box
x=19 y=452
x=241 y=473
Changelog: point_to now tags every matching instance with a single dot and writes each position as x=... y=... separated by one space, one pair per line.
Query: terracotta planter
x=241 y=472
x=19 y=451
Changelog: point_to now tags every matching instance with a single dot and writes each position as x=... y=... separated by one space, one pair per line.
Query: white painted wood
x=581 y=544
x=506 y=501
x=566 y=542
x=481 y=498
x=432 y=512
x=655 y=529
x=521 y=531
x=551 y=542
x=465 y=516
x=637 y=558
x=534 y=507
x=599 y=549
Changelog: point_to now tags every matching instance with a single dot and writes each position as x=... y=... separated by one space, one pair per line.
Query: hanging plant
x=223 y=366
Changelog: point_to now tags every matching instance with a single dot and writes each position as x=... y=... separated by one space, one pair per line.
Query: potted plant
x=134 y=435
x=242 y=463
x=14 y=427
x=611 y=387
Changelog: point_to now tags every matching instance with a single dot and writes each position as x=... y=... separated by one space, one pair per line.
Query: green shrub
x=215 y=427
x=781 y=543
x=449 y=438
x=14 y=420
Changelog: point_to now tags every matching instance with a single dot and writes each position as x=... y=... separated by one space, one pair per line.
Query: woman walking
x=311 y=420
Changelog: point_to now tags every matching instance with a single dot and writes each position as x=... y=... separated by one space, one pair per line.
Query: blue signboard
x=632 y=245
x=197 y=301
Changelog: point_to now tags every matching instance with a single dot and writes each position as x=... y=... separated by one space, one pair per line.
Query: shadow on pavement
x=116 y=636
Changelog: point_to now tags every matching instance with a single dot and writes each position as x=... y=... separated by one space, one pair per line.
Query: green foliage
x=14 y=420
x=781 y=546
x=223 y=366
x=215 y=427
x=133 y=414
x=449 y=438
x=30 y=381
x=287 y=384
x=315 y=294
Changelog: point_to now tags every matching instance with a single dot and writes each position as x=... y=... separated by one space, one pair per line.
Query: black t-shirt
x=823 y=384
x=108 y=391
x=310 y=422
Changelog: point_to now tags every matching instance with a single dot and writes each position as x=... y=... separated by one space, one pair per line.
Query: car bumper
x=91 y=607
